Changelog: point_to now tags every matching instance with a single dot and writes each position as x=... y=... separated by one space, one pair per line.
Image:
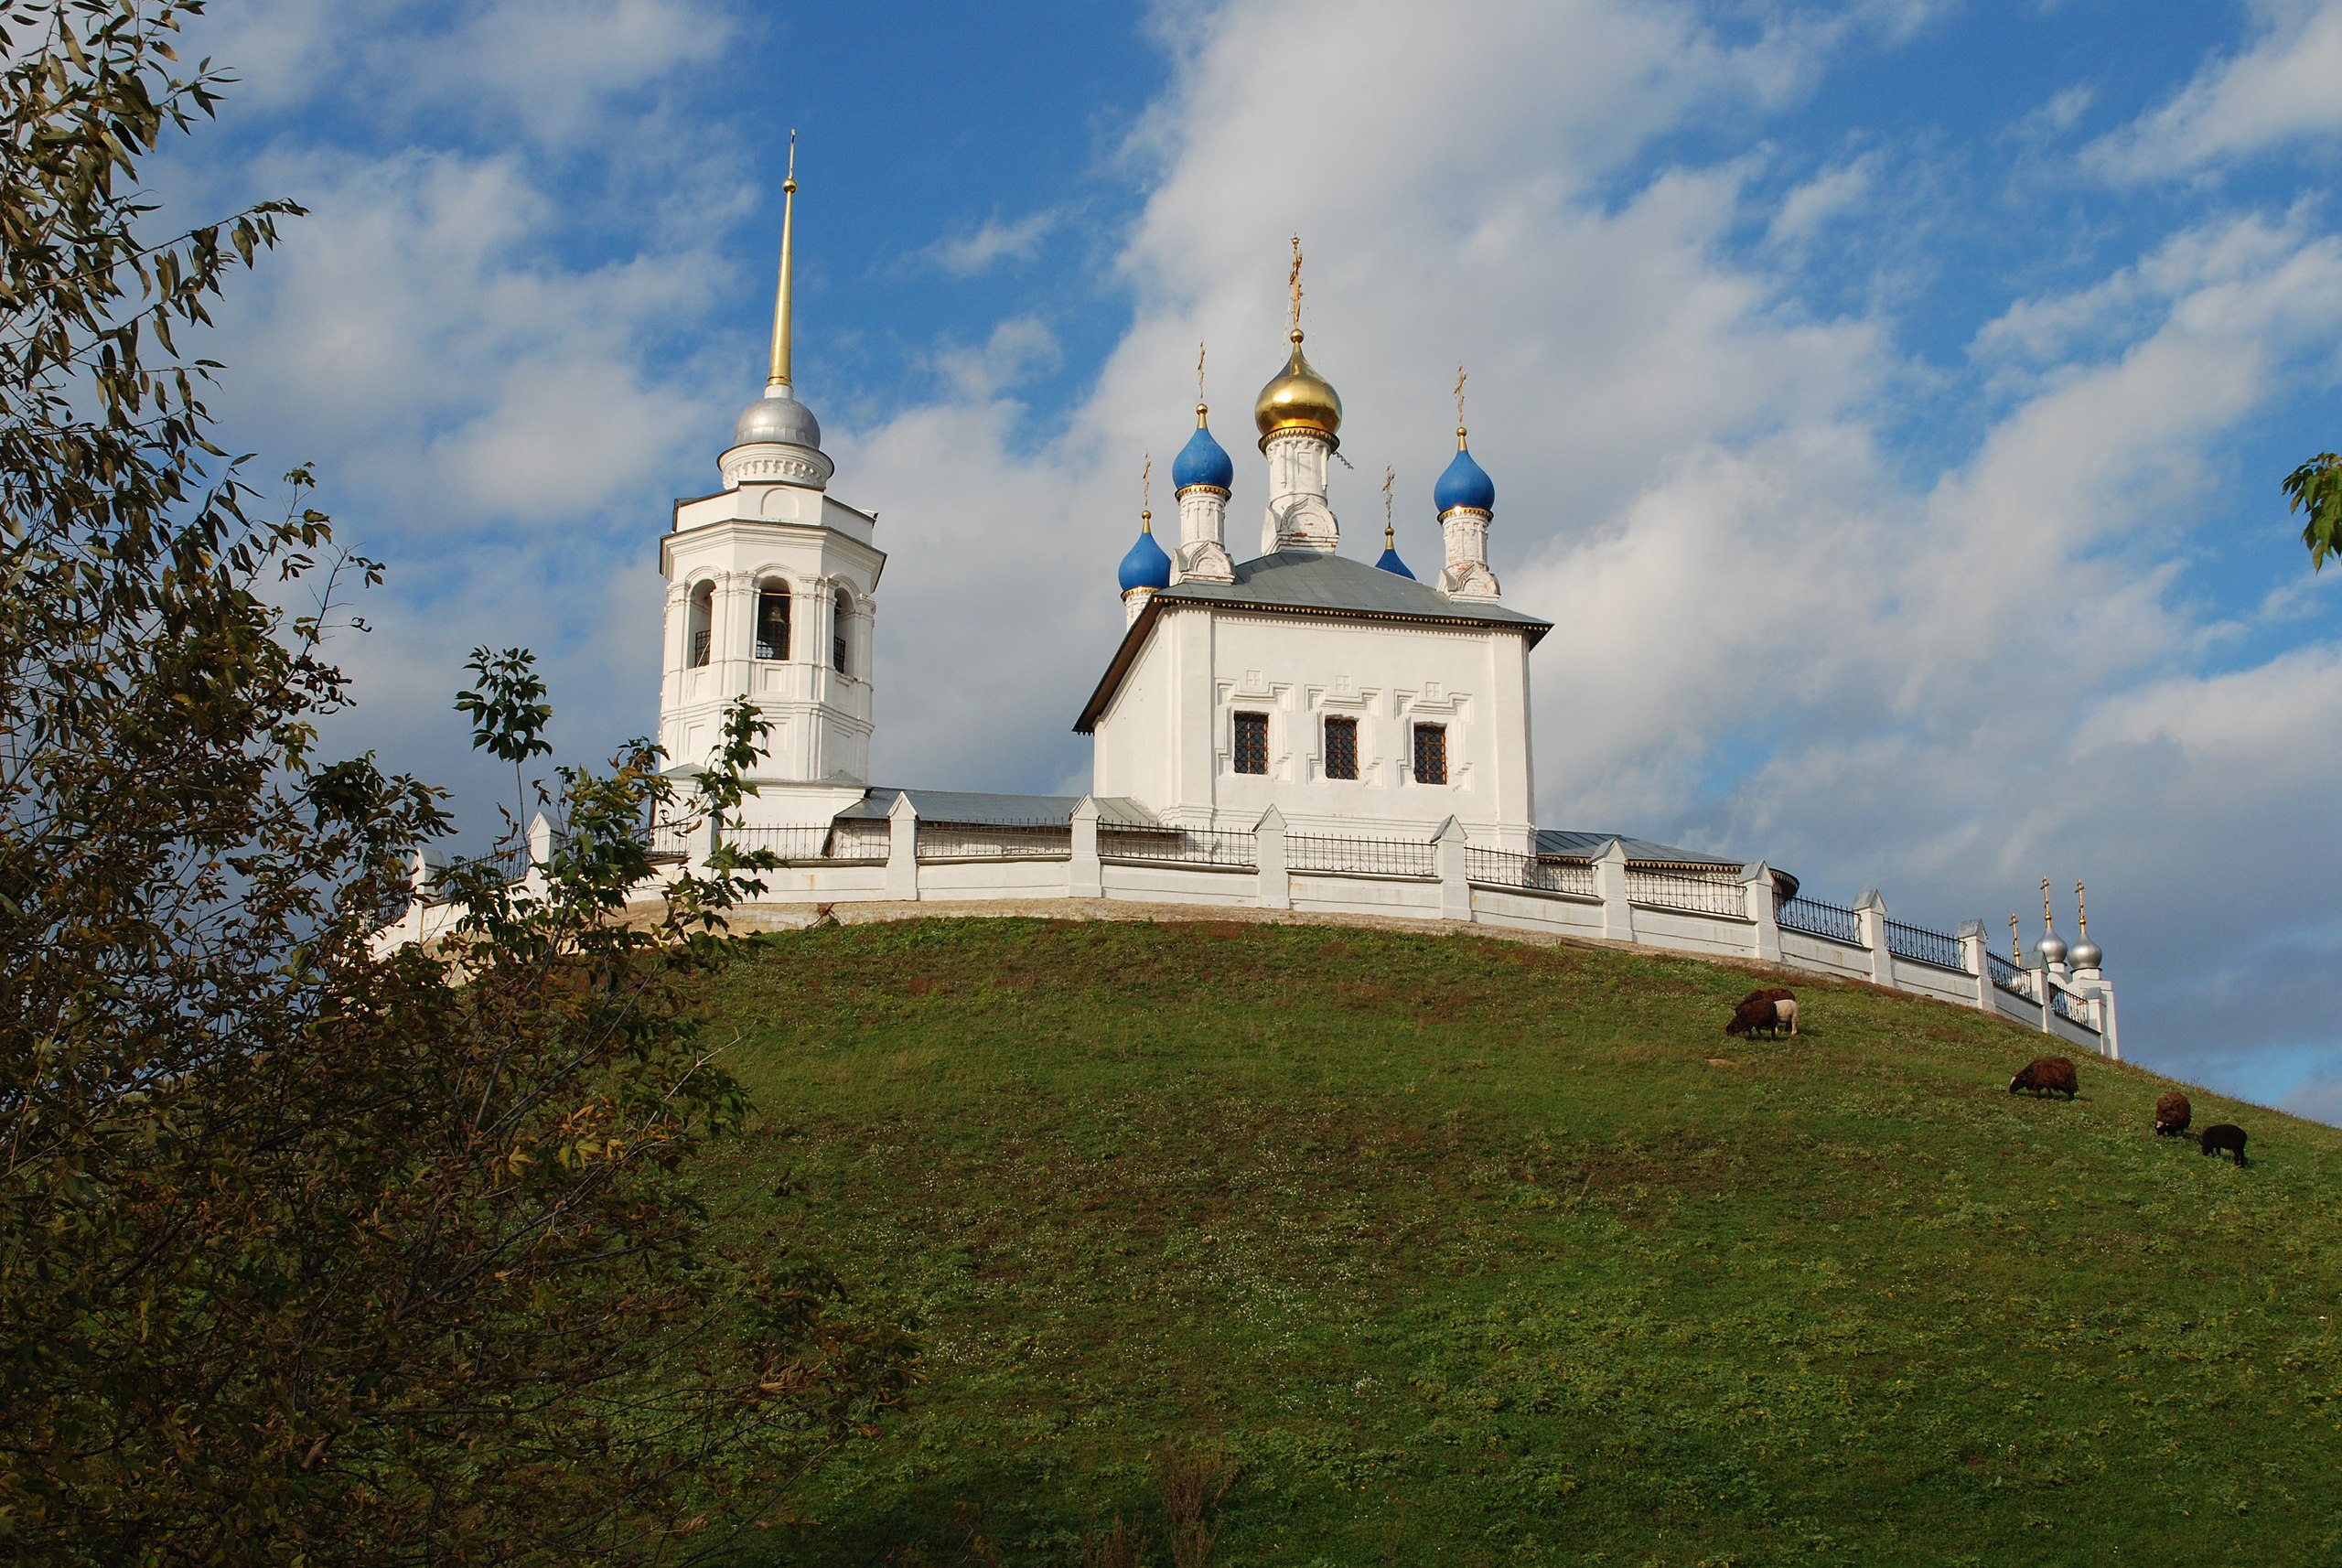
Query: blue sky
x=1886 y=398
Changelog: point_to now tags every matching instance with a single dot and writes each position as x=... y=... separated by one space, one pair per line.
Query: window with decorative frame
x=845 y=608
x=699 y=623
x=1431 y=754
x=772 y=619
x=1251 y=744
x=1341 y=746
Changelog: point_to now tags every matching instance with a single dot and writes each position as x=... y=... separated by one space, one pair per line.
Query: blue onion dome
x=1464 y=483
x=1201 y=461
x=1390 y=561
x=1147 y=566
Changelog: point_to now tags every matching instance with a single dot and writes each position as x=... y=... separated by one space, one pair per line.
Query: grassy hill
x=1472 y=1252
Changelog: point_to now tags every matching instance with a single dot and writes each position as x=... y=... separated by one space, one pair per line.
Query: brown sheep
x=2047 y=1075
x=2172 y=1115
x=1767 y=1010
x=2225 y=1137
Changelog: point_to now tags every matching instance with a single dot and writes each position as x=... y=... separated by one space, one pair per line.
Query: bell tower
x=771 y=595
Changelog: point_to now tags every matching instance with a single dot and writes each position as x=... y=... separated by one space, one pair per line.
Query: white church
x=1297 y=731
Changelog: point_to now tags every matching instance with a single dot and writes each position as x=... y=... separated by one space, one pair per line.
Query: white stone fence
x=1716 y=910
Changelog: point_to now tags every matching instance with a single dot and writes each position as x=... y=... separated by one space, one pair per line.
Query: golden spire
x=1459 y=408
x=1294 y=281
x=2081 y=902
x=2016 y=942
x=1390 y=534
x=1202 y=408
x=779 y=376
x=2049 y=922
x=1147 y=496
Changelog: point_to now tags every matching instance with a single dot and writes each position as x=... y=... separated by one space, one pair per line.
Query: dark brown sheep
x=2172 y=1115
x=1767 y=1010
x=2223 y=1138
x=2047 y=1075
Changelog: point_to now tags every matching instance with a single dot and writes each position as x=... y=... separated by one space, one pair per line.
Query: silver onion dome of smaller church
x=777 y=416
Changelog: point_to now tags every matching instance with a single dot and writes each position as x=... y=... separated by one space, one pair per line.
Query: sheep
x=2047 y=1075
x=1767 y=1010
x=2223 y=1137
x=2172 y=1115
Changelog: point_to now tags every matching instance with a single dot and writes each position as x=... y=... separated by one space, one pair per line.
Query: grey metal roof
x=1312 y=580
x=972 y=807
x=1306 y=582
x=1565 y=842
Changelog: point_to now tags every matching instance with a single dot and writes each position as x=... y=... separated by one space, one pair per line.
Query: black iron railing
x=995 y=840
x=1817 y=918
x=1500 y=868
x=1187 y=846
x=1368 y=857
x=824 y=842
x=1701 y=892
x=2006 y=974
x=1922 y=945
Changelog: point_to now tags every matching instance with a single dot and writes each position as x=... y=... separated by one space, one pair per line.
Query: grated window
x=1341 y=749
x=1431 y=754
x=772 y=623
x=1252 y=743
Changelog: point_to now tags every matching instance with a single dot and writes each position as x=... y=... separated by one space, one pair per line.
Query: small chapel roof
x=1309 y=583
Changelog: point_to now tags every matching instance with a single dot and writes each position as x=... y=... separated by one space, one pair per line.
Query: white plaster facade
x=1167 y=736
x=724 y=551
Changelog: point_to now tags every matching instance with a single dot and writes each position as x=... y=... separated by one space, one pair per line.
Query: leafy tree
x=2316 y=488
x=311 y=1252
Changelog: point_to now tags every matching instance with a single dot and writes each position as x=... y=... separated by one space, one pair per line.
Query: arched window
x=699 y=635
x=837 y=629
x=772 y=619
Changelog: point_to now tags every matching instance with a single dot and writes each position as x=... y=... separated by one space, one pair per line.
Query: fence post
x=711 y=837
x=1871 y=910
x=1610 y=886
x=539 y=841
x=1454 y=875
x=429 y=867
x=1764 y=909
x=1972 y=953
x=902 y=849
x=2106 y=1019
x=1268 y=854
x=1085 y=878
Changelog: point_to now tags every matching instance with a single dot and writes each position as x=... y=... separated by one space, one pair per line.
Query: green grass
x=1467 y=1251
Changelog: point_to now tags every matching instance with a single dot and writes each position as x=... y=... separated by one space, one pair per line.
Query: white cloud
x=1827 y=195
x=996 y=240
x=2277 y=90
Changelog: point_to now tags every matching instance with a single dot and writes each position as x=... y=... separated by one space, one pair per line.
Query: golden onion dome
x=1298 y=398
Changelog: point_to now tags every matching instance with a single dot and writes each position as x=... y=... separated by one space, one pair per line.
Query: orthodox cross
x=1295 y=280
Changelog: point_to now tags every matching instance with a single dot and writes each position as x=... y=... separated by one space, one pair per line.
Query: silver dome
x=777 y=418
x=2051 y=949
x=2085 y=954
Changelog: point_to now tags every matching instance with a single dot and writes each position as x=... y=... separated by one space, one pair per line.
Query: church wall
x=1387 y=676
x=1137 y=748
